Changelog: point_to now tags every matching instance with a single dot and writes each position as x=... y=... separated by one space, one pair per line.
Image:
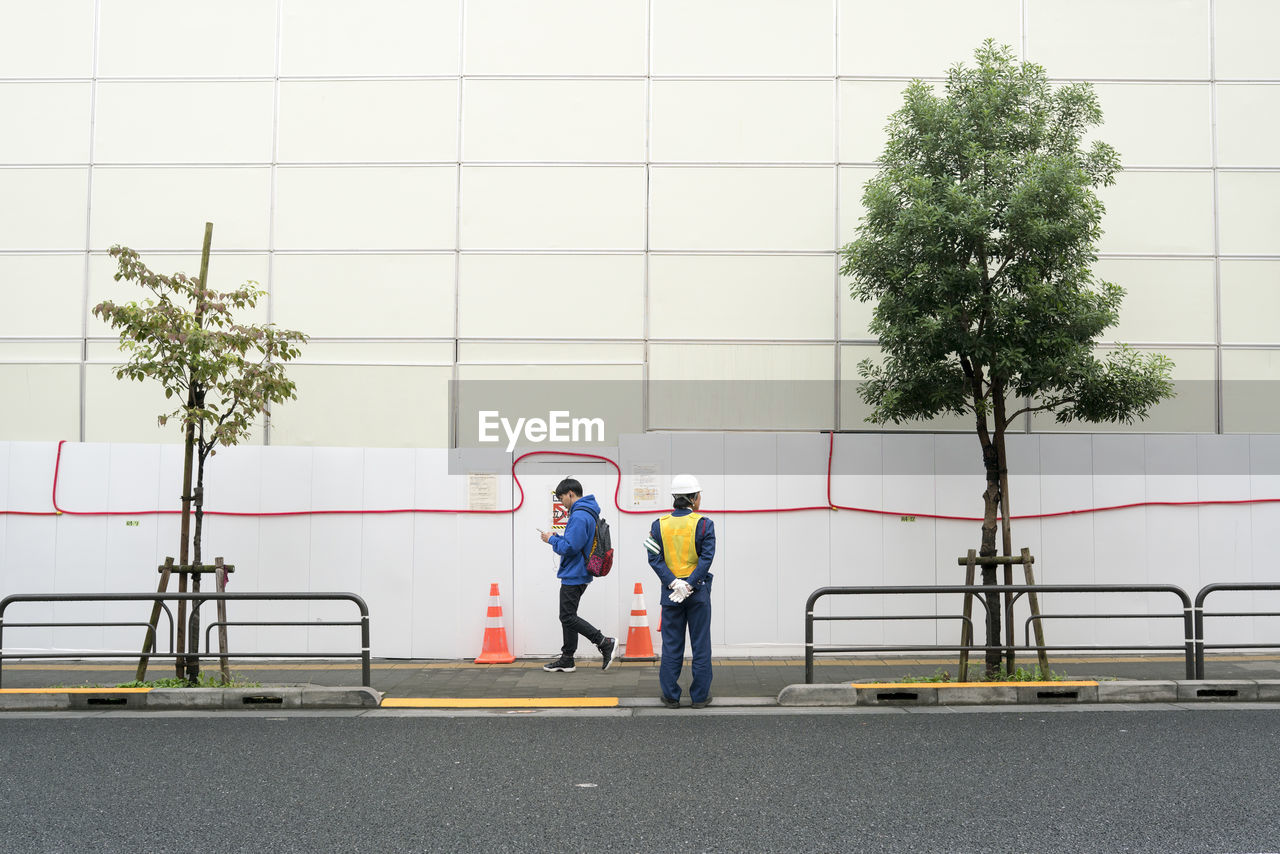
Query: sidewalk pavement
x=733 y=677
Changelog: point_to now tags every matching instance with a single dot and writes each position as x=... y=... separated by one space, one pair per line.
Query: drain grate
x=1057 y=695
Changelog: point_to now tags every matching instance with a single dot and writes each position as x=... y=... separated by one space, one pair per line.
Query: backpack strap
x=596 y=516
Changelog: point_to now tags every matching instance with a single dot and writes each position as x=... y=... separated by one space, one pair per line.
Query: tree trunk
x=184 y=550
x=193 y=662
x=1006 y=530
x=991 y=501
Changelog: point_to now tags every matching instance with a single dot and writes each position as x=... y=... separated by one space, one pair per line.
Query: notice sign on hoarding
x=644 y=484
x=482 y=491
x=559 y=514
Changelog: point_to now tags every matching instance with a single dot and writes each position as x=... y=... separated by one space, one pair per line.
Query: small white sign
x=645 y=490
x=482 y=491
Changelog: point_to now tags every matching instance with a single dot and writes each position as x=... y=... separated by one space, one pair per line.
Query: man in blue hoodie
x=573 y=547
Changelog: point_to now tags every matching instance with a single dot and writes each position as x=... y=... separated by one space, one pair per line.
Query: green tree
x=977 y=248
x=222 y=373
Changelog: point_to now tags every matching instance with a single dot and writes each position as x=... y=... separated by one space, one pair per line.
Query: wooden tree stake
x=149 y=642
x=220 y=584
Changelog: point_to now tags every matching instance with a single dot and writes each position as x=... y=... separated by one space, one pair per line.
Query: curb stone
x=1051 y=694
x=828 y=694
x=44 y=702
x=177 y=699
x=901 y=695
x=924 y=694
x=1236 y=690
x=1138 y=692
x=967 y=696
x=1269 y=690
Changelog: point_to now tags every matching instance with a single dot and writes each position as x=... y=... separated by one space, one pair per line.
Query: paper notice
x=482 y=491
x=645 y=489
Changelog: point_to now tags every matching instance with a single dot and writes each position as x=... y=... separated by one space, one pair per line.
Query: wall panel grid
x=412 y=182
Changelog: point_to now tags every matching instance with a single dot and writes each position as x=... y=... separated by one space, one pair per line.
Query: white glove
x=680 y=590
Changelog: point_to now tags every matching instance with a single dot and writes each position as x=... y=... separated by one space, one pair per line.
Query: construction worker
x=681 y=546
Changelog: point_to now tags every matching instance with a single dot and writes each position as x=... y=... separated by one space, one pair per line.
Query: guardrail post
x=1198 y=634
x=966 y=627
x=3 y=605
x=365 y=667
x=1192 y=626
x=808 y=648
x=808 y=635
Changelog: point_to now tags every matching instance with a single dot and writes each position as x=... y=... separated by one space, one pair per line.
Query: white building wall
x=427 y=186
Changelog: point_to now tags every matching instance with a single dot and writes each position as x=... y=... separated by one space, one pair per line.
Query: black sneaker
x=607 y=648
x=670 y=703
x=702 y=704
x=561 y=664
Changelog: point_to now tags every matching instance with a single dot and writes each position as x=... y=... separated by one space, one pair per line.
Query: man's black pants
x=573 y=625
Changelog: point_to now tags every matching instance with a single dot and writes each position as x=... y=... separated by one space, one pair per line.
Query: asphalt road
x=1077 y=781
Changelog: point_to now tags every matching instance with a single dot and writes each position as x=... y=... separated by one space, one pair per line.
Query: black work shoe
x=670 y=703
x=607 y=648
x=561 y=664
x=702 y=704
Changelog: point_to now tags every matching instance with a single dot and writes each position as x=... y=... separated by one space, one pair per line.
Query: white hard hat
x=684 y=484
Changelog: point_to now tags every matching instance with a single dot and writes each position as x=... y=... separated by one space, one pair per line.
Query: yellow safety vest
x=678 y=548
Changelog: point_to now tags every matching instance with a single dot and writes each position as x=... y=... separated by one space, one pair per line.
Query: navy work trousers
x=693 y=614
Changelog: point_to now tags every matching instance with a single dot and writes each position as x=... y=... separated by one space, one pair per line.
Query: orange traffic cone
x=495 y=636
x=639 y=644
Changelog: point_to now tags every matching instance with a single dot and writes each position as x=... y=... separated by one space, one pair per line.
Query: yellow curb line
x=74 y=690
x=1082 y=684
x=497 y=702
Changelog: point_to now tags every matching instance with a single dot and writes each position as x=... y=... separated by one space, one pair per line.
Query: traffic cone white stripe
x=639 y=644
x=639 y=616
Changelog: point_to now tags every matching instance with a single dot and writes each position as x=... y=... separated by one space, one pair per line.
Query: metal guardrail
x=1041 y=618
x=196 y=600
x=1201 y=613
x=980 y=593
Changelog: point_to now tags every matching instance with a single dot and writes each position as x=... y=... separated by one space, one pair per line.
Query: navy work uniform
x=687 y=545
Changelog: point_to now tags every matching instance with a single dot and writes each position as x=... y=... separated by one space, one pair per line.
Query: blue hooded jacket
x=575 y=545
